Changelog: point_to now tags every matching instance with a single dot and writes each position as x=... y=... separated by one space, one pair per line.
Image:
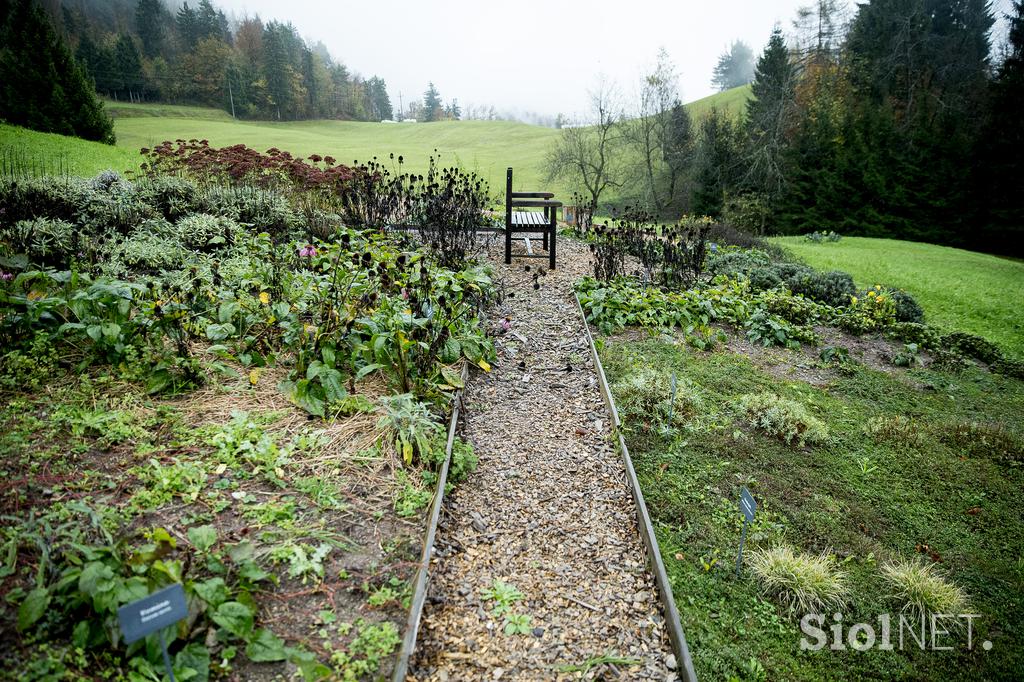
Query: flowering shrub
x=671 y=256
x=872 y=311
x=239 y=164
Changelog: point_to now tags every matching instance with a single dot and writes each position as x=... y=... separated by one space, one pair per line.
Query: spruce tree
x=188 y=26
x=42 y=86
x=770 y=113
x=1001 y=183
x=433 y=109
x=735 y=67
x=149 y=24
x=128 y=66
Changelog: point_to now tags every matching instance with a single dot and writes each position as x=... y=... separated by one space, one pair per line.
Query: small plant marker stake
x=152 y=614
x=748 y=506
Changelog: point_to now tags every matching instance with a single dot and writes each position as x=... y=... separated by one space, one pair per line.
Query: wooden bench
x=530 y=224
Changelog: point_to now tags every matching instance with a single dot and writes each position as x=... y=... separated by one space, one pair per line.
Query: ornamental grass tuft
x=802 y=581
x=922 y=590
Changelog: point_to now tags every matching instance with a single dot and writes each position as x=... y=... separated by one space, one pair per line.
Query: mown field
x=486 y=147
x=958 y=289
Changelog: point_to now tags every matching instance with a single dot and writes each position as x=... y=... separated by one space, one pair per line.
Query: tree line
x=141 y=50
x=898 y=121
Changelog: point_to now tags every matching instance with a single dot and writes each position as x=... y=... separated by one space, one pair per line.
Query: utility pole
x=231 y=96
x=401 y=110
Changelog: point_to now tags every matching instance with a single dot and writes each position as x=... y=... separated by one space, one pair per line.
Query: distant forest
x=192 y=53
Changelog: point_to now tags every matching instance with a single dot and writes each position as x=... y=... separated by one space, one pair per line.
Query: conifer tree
x=149 y=24
x=433 y=109
x=771 y=110
x=42 y=86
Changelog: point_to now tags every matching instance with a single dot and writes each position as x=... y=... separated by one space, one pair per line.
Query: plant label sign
x=152 y=613
x=748 y=505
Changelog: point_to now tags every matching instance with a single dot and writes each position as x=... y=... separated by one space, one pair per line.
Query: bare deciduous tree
x=657 y=134
x=586 y=155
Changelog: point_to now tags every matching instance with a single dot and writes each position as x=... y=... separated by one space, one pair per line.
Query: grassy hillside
x=132 y=110
x=732 y=101
x=958 y=289
x=487 y=147
x=26 y=151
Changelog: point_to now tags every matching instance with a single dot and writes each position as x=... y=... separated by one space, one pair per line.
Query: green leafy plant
x=909 y=356
x=503 y=595
x=415 y=432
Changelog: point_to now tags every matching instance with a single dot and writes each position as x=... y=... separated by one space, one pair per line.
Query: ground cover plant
x=219 y=381
x=873 y=521
x=773 y=299
x=884 y=453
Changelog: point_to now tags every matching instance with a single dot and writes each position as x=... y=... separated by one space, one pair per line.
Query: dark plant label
x=747 y=504
x=152 y=613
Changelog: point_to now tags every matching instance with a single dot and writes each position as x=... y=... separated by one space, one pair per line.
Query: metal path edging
x=684 y=663
x=419 y=593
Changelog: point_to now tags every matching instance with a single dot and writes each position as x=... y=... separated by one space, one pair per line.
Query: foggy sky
x=527 y=55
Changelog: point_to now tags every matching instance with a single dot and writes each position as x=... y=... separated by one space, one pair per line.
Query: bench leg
x=551 y=251
x=508 y=245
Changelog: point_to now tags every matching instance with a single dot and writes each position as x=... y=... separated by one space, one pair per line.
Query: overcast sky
x=527 y=55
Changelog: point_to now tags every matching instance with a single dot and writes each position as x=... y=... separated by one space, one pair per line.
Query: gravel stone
x=551 y=494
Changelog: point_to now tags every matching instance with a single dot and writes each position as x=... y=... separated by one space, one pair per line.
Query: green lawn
x=939 y=487
x=150 y=110
x=487 y=147
x=732 y=101
x=959 y=290
x=26 y=151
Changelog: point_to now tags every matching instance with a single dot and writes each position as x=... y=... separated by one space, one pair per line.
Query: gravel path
x=547 y=511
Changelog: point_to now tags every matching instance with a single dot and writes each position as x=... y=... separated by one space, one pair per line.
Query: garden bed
x=917 y=465
x=230 y=377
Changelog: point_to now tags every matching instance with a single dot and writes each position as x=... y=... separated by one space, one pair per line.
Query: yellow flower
x=878 y=286
x=871 y=293
x=853 y=300
x=264 y=298
x=254 y=376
